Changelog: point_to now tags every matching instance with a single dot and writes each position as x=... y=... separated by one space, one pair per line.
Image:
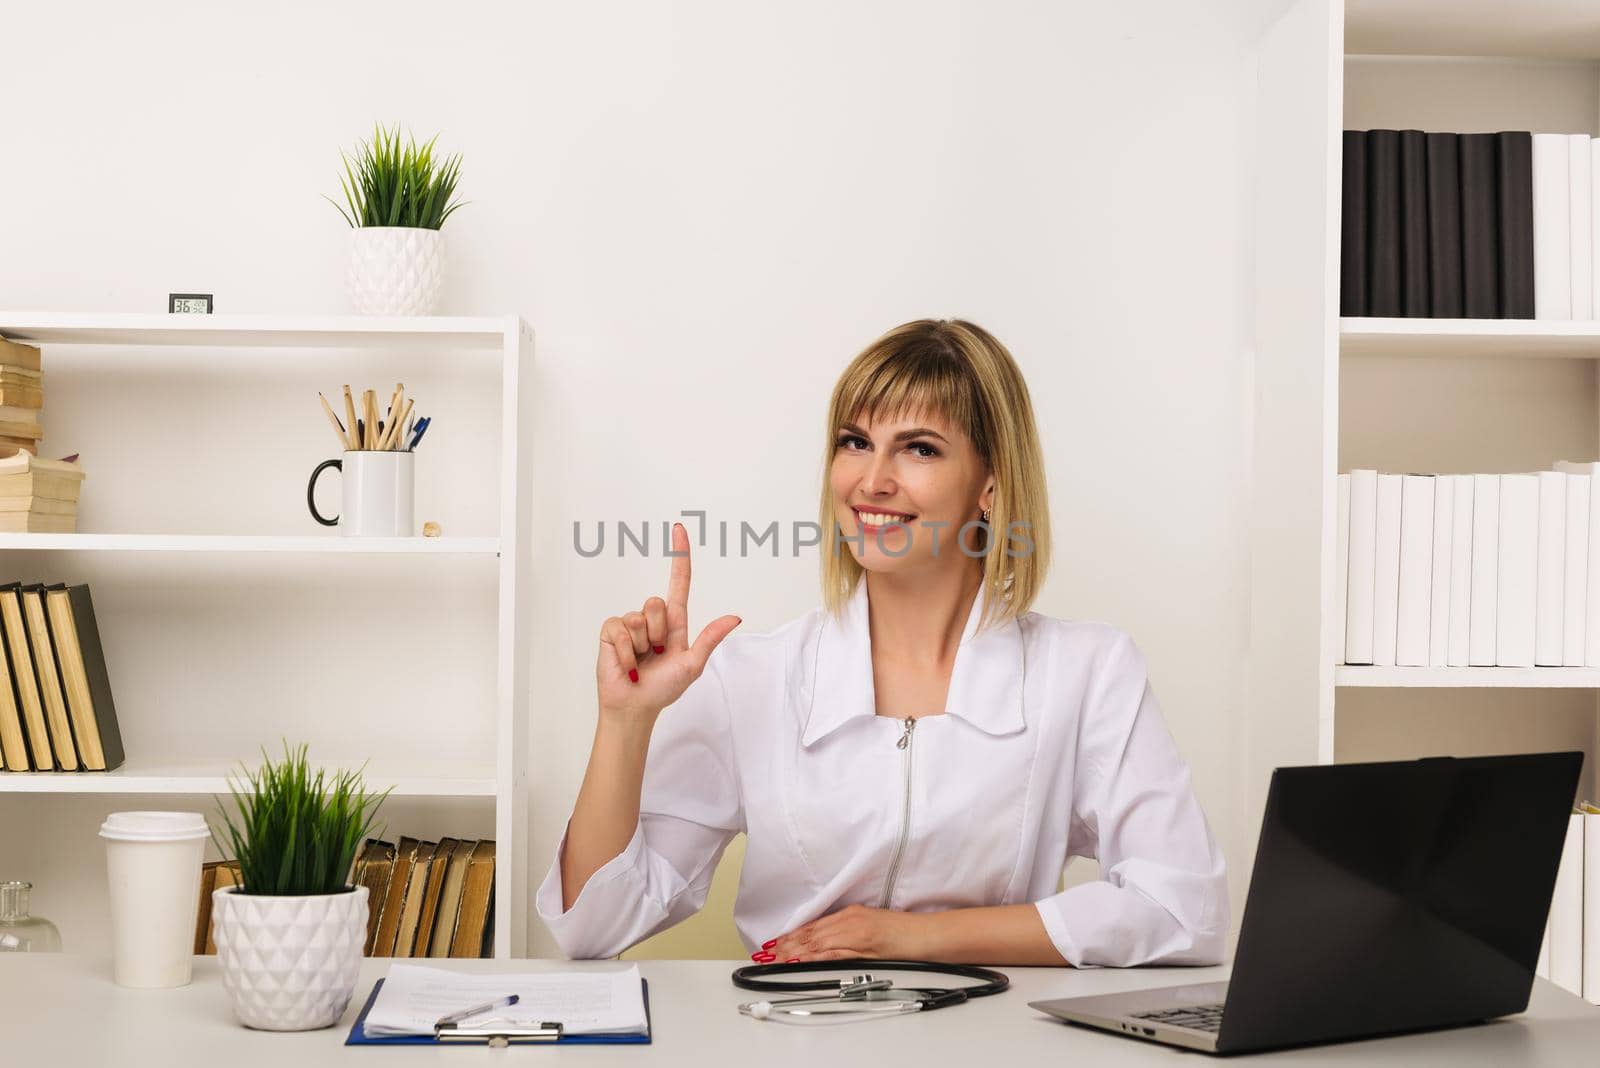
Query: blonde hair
x=958 y=371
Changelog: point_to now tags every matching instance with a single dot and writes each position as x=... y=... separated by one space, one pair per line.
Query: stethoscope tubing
x=760 y=977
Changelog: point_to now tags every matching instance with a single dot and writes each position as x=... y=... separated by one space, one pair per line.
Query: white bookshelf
x=421 y=641
x=1337 y=393
x=1460 y=338
x=245 y=543
x=176 y=780
x=1533 y=678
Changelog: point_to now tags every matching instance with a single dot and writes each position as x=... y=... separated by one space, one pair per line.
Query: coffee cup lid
x=154 y=826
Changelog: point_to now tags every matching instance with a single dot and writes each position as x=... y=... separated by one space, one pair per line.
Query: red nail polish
x=659 y=648
x=792 y=960
x=765 y=958
x=755 y=956
x=769 y=943
x=633 y=673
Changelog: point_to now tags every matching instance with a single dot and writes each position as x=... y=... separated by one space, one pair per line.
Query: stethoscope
x=860 y=997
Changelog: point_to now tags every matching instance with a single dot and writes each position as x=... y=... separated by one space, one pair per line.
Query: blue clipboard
x=358 y=1035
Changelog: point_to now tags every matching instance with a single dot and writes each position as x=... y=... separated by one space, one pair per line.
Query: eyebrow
x=904 y=435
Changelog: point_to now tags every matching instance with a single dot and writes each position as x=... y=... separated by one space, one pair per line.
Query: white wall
x=705 y=209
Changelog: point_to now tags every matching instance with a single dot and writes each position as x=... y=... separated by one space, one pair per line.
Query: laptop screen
x=1397 y=896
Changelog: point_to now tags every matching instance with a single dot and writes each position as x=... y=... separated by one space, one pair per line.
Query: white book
x=1580 y=160
x=1444 y=518
x=1485 y=570
x=1575 y=595
x=1416 y=571
x=1594 y=221
x=1591 y=903
x=1566 y=912
x=1386 y=572
x=1552 y=223
x=1517 y=601
x=1341 y=579
x=1591 y=625
x=1550 y=569
x=1542 y=969
x=1460 y=572
x=1363 y=566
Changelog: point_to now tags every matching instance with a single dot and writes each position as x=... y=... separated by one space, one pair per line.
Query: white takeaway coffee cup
x=153 y=862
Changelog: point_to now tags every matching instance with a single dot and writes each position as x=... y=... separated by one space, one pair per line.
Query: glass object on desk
x=20 y=932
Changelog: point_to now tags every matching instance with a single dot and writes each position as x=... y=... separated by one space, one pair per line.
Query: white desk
x=64 y=1011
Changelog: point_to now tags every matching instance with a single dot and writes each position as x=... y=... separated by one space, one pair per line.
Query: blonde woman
x=914 y=762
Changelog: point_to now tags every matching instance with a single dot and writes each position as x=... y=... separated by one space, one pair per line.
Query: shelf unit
x=501 y=345
x=1477 y=678
x=243 y=543
x=1336 y=393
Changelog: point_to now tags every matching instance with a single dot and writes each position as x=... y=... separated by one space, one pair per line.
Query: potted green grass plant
x=289 y=937
x=398 y=195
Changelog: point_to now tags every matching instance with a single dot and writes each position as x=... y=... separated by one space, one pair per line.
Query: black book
x=1515 y=159
x=1384 y=282
x=1414 y=297
x=1353 y=226
x=1444 y=226
x=1480 y=227
x=84 y=678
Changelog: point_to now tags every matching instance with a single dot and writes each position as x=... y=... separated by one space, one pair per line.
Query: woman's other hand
x=853 y=931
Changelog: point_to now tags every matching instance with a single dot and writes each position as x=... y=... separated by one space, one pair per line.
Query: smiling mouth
x=878 y=520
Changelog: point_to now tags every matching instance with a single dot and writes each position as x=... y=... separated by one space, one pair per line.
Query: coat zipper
x=905 y=815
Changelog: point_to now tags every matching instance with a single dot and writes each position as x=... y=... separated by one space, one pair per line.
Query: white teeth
x=880 y=519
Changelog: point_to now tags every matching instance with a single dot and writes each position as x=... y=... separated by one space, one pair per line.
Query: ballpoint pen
x=422 y=428
x=457 y=1017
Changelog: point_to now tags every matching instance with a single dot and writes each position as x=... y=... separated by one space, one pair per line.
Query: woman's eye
x=855 y=442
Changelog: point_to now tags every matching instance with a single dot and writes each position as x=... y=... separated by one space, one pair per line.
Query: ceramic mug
x=376 y=492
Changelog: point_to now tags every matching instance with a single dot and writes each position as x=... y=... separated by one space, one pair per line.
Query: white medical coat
x=1052 y=745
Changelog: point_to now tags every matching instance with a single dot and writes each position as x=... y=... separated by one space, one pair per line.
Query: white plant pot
x=395 y=270
x=289 y=963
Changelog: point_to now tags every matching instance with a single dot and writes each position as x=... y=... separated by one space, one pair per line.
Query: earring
x=986 y=515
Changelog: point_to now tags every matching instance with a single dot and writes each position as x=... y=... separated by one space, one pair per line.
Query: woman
x=914 y=763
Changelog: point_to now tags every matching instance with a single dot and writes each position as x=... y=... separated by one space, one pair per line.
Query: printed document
x=414 y=997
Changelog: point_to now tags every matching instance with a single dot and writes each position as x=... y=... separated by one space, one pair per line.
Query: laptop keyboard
x=1194 y=1017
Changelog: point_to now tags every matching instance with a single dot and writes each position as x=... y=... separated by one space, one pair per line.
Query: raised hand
x=646 y=661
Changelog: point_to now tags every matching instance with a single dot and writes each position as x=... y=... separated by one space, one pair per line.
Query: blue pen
x=464 y=1014
x=422 y=428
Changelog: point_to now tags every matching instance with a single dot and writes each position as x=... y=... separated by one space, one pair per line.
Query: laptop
x=1386 y=898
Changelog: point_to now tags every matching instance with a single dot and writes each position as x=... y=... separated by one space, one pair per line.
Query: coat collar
x=985 y=685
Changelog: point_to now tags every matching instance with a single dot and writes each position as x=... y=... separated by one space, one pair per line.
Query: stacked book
x=1470 y=570
x=56 y=712
x=214 y=875
x=21 y=397
x=39 y=496
x=1478 y=226
x=428 y=899
x=425 y=899
x=1570 y=955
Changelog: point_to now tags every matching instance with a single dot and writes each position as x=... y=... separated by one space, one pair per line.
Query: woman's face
x=918 y=470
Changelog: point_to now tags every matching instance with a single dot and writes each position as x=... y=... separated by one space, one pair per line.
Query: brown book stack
x=39 y=496
x=214 y=875
x=21 y=397
x=428 y=899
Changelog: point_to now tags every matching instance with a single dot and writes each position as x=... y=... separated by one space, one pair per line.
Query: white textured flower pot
x=289 y=963
x=395 y=270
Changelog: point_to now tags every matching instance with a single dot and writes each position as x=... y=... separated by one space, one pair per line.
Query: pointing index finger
x=678 y=584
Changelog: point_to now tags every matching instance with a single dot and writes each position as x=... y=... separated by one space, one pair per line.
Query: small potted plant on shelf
x=289 y=937
x=399 y=195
